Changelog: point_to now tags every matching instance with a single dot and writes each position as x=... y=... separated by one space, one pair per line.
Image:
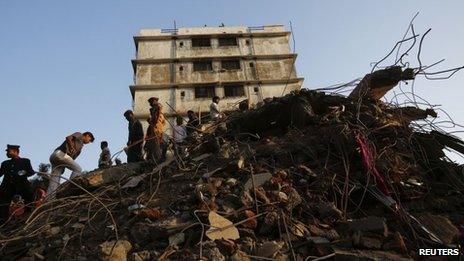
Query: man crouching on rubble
x=64 y=156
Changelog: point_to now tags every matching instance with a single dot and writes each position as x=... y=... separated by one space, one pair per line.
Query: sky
x=65 y=65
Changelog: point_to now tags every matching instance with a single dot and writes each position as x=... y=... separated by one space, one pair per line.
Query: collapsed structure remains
x=186 y=67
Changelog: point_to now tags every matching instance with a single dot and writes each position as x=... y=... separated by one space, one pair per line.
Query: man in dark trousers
x=135 y=140
x=15 y=172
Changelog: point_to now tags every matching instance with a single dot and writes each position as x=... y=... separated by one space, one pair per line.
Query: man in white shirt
x=180 y=133
x=214 y=110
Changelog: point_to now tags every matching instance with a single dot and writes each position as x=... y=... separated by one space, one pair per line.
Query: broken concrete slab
x=396 y=243
x=375 y=85
x=372 y=224
x=221 y=228
x=115 y=250
x=269 y=249
x=212 y=252
x=239 y=256
x=102 y=177
x=141 y=256
x=329 y=211
x=319 y=241
x=259 y=180
x=440 y=226
x=134 y=181
x=367 y=242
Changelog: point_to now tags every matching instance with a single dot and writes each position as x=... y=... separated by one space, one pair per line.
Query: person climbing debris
x=64 y=157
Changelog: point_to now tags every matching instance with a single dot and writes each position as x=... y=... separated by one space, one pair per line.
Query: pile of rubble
x=309 y=176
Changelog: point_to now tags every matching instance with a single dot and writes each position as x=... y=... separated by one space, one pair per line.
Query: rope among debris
x=368 y=162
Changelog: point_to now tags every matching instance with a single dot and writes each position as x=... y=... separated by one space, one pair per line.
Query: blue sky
x=65 y=65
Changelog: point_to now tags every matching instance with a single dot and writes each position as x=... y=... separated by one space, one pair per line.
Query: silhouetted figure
x=135 y=139
x=105 y=156
x=15 y=172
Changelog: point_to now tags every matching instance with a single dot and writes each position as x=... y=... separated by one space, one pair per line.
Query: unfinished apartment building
x=186 y=67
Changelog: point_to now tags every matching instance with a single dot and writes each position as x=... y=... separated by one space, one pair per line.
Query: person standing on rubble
x=64 y=157
x=135 y=140
x=151 y=150
x=214 y=111
x=15 y=172
x=193 y=122
x=154 y=136
x=179 y=134
x=164 y=146
x=105 y=155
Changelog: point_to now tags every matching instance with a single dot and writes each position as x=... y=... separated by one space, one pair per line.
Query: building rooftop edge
x=181 y=30
x=207 y=30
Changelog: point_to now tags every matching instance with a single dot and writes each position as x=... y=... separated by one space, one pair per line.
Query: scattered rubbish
x=115 y=250
x=221 y=228
x=176 y=239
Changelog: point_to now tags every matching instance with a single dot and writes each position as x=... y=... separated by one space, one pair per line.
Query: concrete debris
x=141 y=256
x=396 y=243
x=375 y=85
x=115 y=250
x=369 y=224
x=269 y=249
x=177 y=239
x=305 y=176
x=441 y=227
x=212 y=252
x=239 y=256
x=221 y=228
x=259 y=180
x=368 y=242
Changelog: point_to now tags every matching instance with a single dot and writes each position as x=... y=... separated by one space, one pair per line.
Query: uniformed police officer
x=15 y=172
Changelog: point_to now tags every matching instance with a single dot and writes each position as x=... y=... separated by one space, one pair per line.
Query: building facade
x=186 y=67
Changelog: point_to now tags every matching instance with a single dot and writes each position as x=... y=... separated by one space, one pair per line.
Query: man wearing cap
x=135 y=140
x=64 y=156
x=15 y=172
x=154 y=136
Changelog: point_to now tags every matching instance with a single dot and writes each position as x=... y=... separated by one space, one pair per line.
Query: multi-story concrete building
x=186 y=67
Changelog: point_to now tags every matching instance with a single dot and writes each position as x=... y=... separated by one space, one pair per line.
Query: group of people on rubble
x=16 y=170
